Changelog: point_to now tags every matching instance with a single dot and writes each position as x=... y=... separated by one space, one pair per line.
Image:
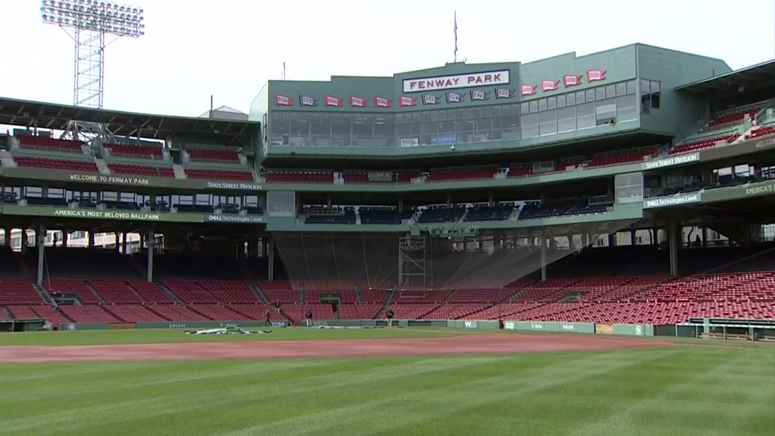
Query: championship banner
x=330 y=100
x=527 y=89
x=595 y=75
x=358 y=102
x=383 y=102
x=305 y=100
x=504 y=93
x=571 y=80
x=282 y=100
x=407 y=101
x=550 y=85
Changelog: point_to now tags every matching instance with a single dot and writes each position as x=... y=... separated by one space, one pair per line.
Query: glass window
x=487 y=112
x=276 y=117
x=466 y=131
x=425 y=116
x=280 y=133
x=461 y=114
x=434 y=116
x=451 y=114
x=496 y=129
x=571 y=99
x=610 y=91
x=346 y=118
x=551 y=102
x=470 y=113
x=605 y=111
x=589 y=95
x=599 y=93
x=340 y=134
x=547 y=123
x=478 y=112
x=404 y=135
x=621 y=88
x=626 y=108
x=415 y=117
x=644 y=87
x=533 y=106
x=631 y=87
x=363 y=135
x=510 y=127
x=507 y=110
x=525 y=108
x=529 y=125
x=321 y=134
x=483 y=130
x=585 y=116
x=442 y=115
x=514 y=109
x=580 y=97
x=286 y=117
x=561 y=100
x=654 y=87
x=566 y=119
x=542 y=104
x=496 y=111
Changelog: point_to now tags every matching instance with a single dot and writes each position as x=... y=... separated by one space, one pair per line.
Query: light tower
x=89 y=23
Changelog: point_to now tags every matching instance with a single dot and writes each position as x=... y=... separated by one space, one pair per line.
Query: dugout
x=728 y=329
x=22 y=325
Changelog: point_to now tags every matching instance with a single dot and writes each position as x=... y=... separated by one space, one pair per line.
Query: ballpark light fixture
x=88 y=22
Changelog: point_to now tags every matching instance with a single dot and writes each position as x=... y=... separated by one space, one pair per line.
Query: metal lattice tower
x=412 y=255
x=89 y=23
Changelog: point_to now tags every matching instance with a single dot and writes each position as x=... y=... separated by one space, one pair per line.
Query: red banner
x=571 y=80
x=595 y=75
x=550 y=85
x=527 y=89
x=331 y=100
x=358 y=102
x=407 y=101
x=383 y=102
x=282 y=100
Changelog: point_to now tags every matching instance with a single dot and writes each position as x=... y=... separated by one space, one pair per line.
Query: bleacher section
x=49 y=144
x=220 y=156
x=218 y=174
x=56 y=164
x=598 y=287
x=141 y=170
x=135 y=151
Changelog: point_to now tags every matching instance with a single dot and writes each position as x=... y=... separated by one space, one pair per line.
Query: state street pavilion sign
x=468 y=80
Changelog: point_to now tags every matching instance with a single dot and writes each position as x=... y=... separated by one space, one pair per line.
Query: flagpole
x=455 y=19
x=283 y=70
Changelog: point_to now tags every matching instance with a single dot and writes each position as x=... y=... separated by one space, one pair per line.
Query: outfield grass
x=153 y=336
x=683 y=390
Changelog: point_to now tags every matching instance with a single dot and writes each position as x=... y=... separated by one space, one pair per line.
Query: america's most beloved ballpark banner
x=122 y=215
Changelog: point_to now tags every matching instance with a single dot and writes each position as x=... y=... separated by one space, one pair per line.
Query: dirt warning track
x=464 y=344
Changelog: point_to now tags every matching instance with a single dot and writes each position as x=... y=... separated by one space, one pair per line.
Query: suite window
x=621 y=89
x=415 y=117
x=507 y=110
x=496 y=111
x=570 y=99
x=487 y=112
x=525 y=107
x=561 y=100
x=631 y=87
x=478 y=112
x=580 y=97
x=626 y=108
x=425 y=117
x=442 y=115
x=451 y=115
x=610 y=91
x=649 y=94
x=566 y=119
x=470 y=113
x=605 y=111
x=547 y=123
x=585 y=116
x=510 y=127
x=533 y=107
x=589 y=95
x=529 y=125
x=600 y=93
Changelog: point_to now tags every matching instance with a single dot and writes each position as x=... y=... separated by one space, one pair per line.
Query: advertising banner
x=604 y=329
x=671 y=161
x=739 y=192
x=122 y=215
x=672 y=200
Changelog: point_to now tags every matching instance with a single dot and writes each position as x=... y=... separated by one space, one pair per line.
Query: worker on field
x=389 y=314
x=268 y=321
x=309 y=317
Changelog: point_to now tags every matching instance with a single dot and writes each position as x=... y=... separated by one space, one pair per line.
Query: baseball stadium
x=580 y=245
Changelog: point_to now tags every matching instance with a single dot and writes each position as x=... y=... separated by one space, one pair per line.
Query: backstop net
x=486 y=260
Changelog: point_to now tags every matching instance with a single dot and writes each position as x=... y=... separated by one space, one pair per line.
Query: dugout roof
x=747 y=82
x=57 y=116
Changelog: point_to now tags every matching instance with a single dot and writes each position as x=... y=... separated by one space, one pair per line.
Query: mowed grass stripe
x=277 y=397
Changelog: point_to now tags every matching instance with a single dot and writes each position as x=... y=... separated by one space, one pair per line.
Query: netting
x=380 y=261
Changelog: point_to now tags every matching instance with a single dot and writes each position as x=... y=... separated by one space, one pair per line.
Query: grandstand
x=591 y=202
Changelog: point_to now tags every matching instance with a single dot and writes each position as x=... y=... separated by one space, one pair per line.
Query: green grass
x=153 y=336
x=679 y=390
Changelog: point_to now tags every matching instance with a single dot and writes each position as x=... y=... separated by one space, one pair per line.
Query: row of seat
x=130 y=169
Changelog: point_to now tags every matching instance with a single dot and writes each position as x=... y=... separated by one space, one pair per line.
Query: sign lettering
x=672 y=201
x=282 y=100
x=527 y=89
x=457 y=81
x=671 y=161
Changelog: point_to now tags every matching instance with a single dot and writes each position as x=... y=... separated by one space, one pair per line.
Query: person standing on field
x=389 y=314
x=309 y=317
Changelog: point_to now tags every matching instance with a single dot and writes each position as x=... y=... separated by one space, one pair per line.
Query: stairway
x=388 y=297
x=170 y=294
x=199 y=285
x=102 y=166
x=94 y=291
x=44 y=295
x=180 y=173
x=134 y=291
x=6 y=159
x=260 y=295
x=6 y=314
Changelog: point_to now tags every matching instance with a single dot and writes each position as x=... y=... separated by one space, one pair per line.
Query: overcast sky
x=230 y=48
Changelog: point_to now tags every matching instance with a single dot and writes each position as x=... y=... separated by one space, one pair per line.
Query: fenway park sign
x=457 y=81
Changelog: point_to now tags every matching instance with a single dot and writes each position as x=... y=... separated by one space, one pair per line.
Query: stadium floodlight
x=89 y=22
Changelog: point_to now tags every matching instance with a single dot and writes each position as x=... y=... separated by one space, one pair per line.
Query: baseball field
x=379 y=382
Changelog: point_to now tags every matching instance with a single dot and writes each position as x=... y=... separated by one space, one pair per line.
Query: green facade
x=317 y=118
